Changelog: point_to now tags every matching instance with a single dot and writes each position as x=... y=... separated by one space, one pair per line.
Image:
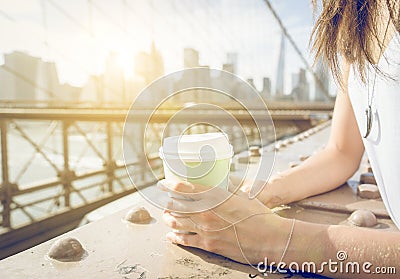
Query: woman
x=361 y=34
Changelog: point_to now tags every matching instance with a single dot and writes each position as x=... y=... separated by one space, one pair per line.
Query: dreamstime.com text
x=337 y=266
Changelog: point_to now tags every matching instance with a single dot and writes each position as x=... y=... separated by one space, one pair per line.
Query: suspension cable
x=298 y=51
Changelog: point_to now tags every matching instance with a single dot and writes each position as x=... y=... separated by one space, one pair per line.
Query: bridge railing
x=49 y=166
x=54 y=160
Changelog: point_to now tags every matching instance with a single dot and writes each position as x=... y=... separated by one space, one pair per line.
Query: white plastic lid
x=197 y=147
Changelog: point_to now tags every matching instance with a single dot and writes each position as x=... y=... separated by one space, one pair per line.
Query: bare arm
x=244 y=230
x=373 y=253
x=336 y=163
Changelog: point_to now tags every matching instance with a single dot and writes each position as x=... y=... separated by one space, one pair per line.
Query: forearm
x=329 y=168
x=320 y=244
x=320 y=173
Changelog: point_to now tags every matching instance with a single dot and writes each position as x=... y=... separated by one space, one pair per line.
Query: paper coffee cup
x=202 y=159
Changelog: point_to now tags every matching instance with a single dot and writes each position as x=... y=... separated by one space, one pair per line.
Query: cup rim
x=194 y=157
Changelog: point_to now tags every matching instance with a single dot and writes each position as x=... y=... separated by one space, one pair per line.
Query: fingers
x=254 y=186
x=187 y=206
x=181 y=187
x=192 y=240
x=190 y=198
x=229 y=207
x=181 y=223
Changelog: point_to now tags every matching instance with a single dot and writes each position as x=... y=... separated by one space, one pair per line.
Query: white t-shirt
x=383 y=143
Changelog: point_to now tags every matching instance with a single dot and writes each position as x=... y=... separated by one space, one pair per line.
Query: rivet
x=363 y=218
x=367 y=178
x=67 y=250
x=368 y=191
x=138 y=215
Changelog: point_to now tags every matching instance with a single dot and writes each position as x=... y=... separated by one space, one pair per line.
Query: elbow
x=350 y=159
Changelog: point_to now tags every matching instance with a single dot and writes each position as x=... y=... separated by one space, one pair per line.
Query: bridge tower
x=280 y=78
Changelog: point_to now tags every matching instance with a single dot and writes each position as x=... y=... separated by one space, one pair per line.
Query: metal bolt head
x=363 y=218
x=367 y=178
x=368 y=191
x=67 y=250
x=138 y=215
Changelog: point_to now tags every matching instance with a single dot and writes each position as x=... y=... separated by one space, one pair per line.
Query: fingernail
x=162 y=184
x=170 y=236
x=167 y=183
x=184 y=186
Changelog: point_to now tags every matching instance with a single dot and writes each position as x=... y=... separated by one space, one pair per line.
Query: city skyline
x=205 y=25
x=25 y=78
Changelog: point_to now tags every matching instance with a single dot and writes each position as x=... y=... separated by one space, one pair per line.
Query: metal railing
x=60 y=145
x=65 y=187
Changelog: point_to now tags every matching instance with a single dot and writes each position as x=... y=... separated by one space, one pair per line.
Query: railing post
x=5 y=190
x=110 y=164
x=65 y=176
x=142 y=158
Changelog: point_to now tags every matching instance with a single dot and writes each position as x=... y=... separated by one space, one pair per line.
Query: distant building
x=21 y=85
x=150 y=66
x=251 y=82
x=47 y=77
x=228 y=67
x=266 y=90
x=27 y=78
x=280 y=78
x=195 y=79
x=321 y=87
x=190 y=58
x=68 y=93
x=232 y=60
x=300 y=86
x=93 y=91
x=252 y=95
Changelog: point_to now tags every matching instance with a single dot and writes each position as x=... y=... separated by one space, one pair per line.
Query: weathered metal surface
x=117 y=249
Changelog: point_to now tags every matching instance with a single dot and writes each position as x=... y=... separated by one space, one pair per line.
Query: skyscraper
x=228 y=67
x=150 y=66
x=190 y=58
x=266 y=91
x=280 y=78
x=232 y=59
x=300 y=86
x=321 y=87
x=251 y=82
x=20 y=86
x=27 y=78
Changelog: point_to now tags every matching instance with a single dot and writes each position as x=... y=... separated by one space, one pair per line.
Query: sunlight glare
x=126 y=62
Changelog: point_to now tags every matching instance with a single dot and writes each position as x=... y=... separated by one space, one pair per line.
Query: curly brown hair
x=355 y=30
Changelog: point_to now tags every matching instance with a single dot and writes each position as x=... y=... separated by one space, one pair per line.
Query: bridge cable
x=297 y=50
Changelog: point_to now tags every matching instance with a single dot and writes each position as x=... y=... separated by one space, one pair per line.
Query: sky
x=78 y=35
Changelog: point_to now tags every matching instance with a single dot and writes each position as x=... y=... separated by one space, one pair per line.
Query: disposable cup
x=202 y=159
